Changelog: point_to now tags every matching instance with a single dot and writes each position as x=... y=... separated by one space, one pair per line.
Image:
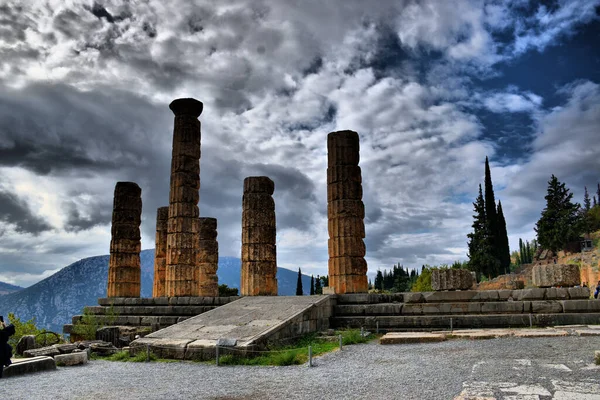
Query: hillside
x=7 y=288
x=54 y=300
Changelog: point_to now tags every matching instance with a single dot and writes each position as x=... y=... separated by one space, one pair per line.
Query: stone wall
x=549 y=275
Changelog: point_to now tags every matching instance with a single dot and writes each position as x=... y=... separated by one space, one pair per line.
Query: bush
x=87 y=326
x=22 y=329
x=423 y=282
x=226 y=291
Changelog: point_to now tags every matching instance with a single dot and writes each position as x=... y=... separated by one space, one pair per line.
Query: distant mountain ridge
x=54 y=300
x=6 y=288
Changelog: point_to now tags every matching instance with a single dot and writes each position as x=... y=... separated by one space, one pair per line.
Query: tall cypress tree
x=503 y=245
x=481 y=259
x=522 y=252
x=312 y=285
x=586 y=200
x=299 y=291
x=492 y=220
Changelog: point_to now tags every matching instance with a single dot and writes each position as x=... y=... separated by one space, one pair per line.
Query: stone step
x=464 y=308
x=21 y=366
x=133 y=320
x=469 y=321
x=166 y=301
x=461 y=296
x=155 y=311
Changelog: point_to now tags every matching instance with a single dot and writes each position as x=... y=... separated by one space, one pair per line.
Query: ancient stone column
x=124 y=264
x=160 y=252
x=259 y=254
x=183 y=223
x=345 y=212
x=208 y=258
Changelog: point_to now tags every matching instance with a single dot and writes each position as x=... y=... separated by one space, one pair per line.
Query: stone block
x=581 y=306
x=579 y=292
x=505 y=294
x=414 y=297
x=454 y=296
x=27 y=342
x=485 y=295
x=529 y=294
x=451 y=279
x=29 y=365
x=555 y=275
x=411 y=337
x=49 y=351
x=547 y=306
x=504 y=307
x=557 y=293
x=71 y=359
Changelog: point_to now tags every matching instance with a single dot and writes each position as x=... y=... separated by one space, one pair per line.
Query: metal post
x=310 y=356
x=530 y=321
x=340 y=342
x=377 y=327
x=450 y=324
x=362 y=332
x=147 y=352
x=217 y=354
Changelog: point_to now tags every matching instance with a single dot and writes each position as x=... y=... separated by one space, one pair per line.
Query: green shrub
x=21 y=329
x=226 y=291
x=87 y=326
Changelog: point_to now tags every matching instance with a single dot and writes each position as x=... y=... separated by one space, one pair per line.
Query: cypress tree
x=503 y=245
x=299 y=284
x=379 y=280
x=522 y=252
x=481 y=259
x=312 y=285
x=318 y=287
x=586 y=200
x=595 y=203
x=560 y=222
x=492 y=220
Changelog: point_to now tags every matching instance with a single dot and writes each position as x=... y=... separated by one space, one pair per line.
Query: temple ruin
x=124 y=264
x=259 y=254
x=345 y=212
x=160 y=252
x=208 y=258
x=183 y=223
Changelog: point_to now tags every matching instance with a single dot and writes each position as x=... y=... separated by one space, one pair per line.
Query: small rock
x=27 y=342
x=71 y=359
x=49 y=351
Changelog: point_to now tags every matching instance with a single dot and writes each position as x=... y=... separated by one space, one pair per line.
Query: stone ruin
x=345 y=212
x=451 y=279
x=160 y=252
x=549 y=275
x=259 y=253
x=124 y=268
x=183 y=223
x=208 y=258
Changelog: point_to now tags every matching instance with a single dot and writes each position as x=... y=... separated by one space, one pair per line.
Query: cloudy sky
x=432 y=87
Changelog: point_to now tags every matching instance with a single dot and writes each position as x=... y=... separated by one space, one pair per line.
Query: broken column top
x=162 y=213
x=343 y=139
x=187 y=106
x=128 y=188
x=259 y=184
x=208 y=223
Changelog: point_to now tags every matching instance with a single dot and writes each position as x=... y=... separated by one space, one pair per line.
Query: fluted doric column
x=160 y=252
x=259 y=254
x=183 y=223
x=345 y=211
x=124 y=264
x=208 y=258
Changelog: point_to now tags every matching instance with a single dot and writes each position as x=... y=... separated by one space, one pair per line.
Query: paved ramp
x=247 y=323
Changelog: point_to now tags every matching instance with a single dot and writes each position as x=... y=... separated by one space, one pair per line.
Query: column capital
x=186 y=106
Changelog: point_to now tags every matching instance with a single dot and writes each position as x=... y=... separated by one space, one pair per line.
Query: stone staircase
x=148 y=313
x=466 y=309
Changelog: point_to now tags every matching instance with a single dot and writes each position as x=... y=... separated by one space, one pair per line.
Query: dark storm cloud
x=15 y=211
x=98 y=212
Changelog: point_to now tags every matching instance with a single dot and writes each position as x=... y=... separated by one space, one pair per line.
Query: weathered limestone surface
x=160 y=252
x=29 y=365
x=345 y=212
x=208 y=258
x=183 y=223
x=71 y=359
x=259 y=253
x=124 y=265
x=451 y=279
x=555 y=275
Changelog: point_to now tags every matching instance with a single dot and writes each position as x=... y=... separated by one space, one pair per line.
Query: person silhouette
x=6 y=331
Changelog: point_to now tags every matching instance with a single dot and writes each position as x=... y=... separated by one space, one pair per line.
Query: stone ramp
x=249 y=323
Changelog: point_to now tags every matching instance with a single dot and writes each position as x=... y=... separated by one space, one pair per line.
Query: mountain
x=6 y=288
x=54 y=300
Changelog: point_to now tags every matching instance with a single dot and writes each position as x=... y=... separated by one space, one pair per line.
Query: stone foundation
x=555 y=275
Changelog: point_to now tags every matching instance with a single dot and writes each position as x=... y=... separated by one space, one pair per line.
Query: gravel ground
x=417 y=371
